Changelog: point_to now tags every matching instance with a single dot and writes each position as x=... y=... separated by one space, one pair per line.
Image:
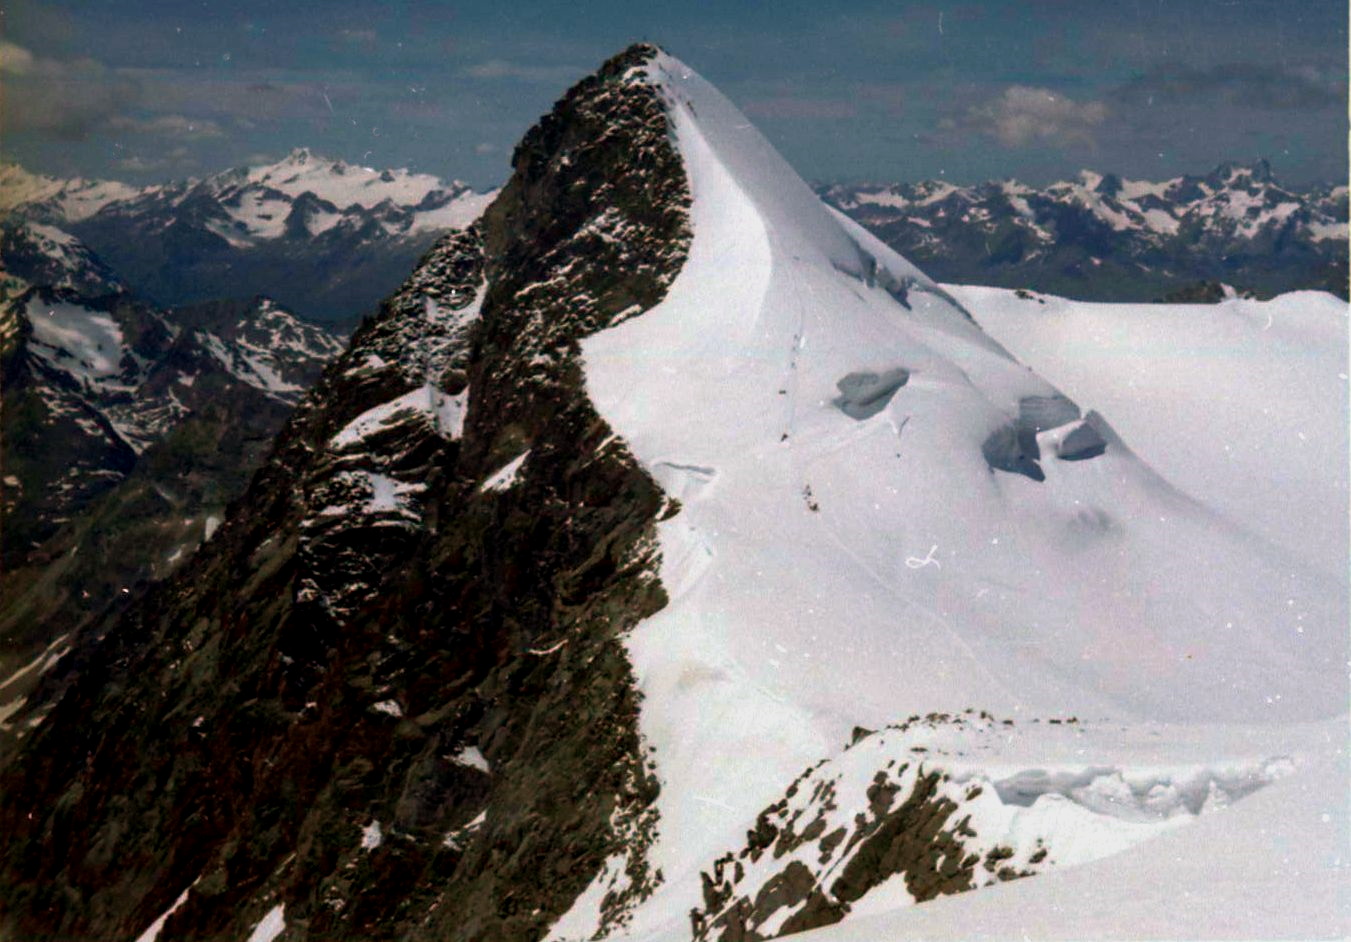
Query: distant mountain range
x=325 y=238
x=328 y=239
x=1101 y=237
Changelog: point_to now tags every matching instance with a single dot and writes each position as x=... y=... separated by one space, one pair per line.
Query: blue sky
x=148 y=89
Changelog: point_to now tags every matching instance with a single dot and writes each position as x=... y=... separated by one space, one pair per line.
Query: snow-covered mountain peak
x=66 y=200
x=262 y=344
x=289 y=349
x=883 y=513
x=43 y=254
x=1236 y=174
x=94 y=377
x=1090 y=179
x=835 y=368
x=344 y=184
x=716 y=131
x=250 y=203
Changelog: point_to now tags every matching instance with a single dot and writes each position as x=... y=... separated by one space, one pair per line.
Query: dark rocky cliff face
x=126 y=431
x=850 y=823
x=389 y=695
x=61 y=448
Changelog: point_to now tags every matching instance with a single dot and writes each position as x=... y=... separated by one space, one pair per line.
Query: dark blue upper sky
x=152 y=89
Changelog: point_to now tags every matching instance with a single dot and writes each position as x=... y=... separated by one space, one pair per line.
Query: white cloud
x=1025 y=114
x=66 y=98
x=74 y=98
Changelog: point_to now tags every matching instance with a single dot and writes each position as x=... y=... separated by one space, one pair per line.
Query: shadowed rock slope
x=387 y=699
x=126 y=430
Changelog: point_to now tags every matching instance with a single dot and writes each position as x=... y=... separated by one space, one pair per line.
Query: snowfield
x=1241 y=404
x=885 y=513
x=88 y=344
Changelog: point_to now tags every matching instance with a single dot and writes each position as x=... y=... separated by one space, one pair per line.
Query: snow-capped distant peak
x=302 y=196
x=271 y=349
x=45 y=255
x=305 y=195
x=344 y=184
x=69 y=200
x=1154 y=237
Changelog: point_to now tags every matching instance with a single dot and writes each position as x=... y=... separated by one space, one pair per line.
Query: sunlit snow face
x=88 y=343
x=851 y=551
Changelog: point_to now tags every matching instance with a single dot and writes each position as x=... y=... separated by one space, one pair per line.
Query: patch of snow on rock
x=271 y=926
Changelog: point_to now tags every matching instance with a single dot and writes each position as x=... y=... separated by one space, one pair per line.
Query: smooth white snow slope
x=844 y=560
x=1242 y=404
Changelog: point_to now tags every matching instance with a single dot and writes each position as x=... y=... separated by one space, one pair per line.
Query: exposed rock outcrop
x=279 y=724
